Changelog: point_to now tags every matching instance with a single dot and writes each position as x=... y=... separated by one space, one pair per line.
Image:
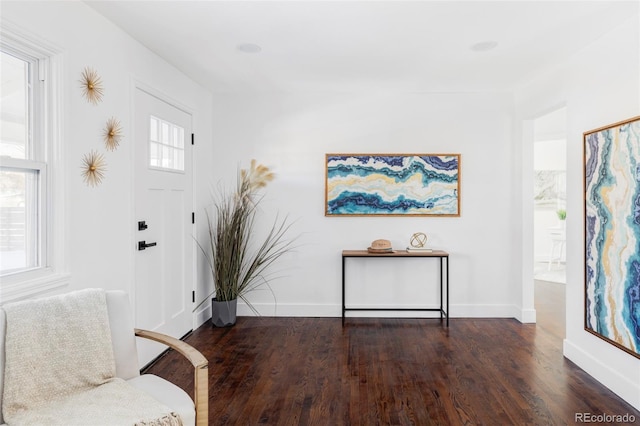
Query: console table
x=436 y=254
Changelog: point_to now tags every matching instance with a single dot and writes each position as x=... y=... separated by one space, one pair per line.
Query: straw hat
x=380 y=246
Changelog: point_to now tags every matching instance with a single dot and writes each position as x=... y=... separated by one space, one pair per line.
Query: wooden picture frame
x=392 y=185
x=612 y=234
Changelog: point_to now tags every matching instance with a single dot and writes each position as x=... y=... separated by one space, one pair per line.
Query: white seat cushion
x=168 y=394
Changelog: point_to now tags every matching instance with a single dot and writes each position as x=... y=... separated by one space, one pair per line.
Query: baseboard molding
x=289 y=310
x=331 y=310
x=612 y=379
x=483 y=311
x=202 y=315
x=526 y=316
x=334 y=311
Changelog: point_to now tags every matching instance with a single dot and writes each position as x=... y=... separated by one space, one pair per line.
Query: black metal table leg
x=441 y=288
x=343 y=305
x=447 y=291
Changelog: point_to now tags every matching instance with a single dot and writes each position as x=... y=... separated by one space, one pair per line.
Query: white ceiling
x=351 y=46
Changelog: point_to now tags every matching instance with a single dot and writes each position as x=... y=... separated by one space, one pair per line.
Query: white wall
x=599 y=86
x=100 y=221
x=293 y=132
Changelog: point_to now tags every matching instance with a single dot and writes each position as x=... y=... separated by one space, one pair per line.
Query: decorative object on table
x=238 y=263
x=562 y=214
x=380 y=246
x=612 y=238
x=94 y=167
x=92 y=88
x=392 y=184
x=417 y=243
x=112 y=134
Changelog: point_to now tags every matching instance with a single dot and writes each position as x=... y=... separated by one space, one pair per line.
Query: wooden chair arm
x=192 y=354
x=200 y=364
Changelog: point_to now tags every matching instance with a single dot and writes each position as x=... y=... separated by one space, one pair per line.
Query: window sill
x=14 y=290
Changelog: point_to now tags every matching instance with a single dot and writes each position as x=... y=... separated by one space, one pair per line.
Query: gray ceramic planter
x=223 y=314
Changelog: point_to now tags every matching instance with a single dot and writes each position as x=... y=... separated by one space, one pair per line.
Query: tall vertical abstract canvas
x=612 y=234
x=392 y=184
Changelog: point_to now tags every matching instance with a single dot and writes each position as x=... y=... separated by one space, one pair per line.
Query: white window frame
x=52 y=272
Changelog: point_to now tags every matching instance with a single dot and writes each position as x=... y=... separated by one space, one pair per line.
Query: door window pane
x=154 y=154
x=168 y=152
x=165 y=133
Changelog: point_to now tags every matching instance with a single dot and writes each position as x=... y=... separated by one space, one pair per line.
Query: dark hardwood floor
x=312 y=371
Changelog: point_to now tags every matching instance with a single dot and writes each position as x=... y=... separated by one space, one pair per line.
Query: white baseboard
x=335 y=311
x=609 y=377
x=526 y=316
x=202 y=315
x=289 y=310
x=483 y=311
x=331 y=310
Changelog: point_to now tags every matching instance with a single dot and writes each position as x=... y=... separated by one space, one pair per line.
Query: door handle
x=143 y=245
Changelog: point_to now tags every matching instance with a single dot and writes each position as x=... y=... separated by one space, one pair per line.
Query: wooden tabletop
x=395 y=253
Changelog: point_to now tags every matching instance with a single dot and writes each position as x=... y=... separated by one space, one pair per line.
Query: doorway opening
x=549 y=219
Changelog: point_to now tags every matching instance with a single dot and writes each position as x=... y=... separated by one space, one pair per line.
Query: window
x=30 y=255
x=22 y=171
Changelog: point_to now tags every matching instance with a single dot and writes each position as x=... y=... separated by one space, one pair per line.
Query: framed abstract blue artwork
x=392 y=184
x=612 y=234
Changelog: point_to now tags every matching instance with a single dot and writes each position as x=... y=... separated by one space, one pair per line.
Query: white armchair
x=126 y=362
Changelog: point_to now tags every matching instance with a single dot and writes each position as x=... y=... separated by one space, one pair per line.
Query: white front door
x=163 y=228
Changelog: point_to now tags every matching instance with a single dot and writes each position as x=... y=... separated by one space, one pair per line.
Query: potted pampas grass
x=238 y=262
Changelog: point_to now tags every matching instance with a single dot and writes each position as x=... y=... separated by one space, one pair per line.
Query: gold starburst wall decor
x=94 y=167
x=92 y=86
x=112 y=134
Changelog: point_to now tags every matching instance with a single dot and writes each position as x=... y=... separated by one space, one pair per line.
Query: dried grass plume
x=257 y=175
